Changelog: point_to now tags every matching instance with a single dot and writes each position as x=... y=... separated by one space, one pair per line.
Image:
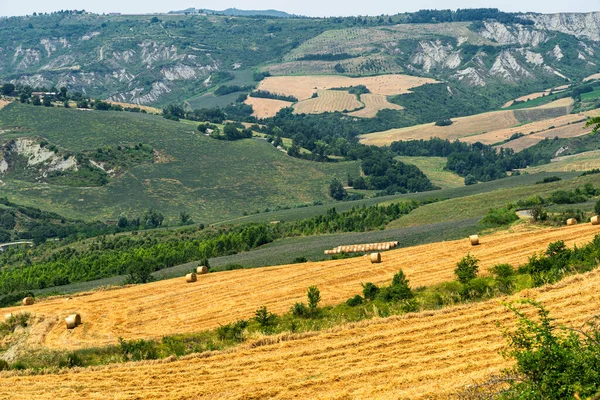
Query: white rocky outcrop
x=557 y=53
x=515 y=34
x=508 y=68
x=470 y=76
x=434 y=54
x=581 y=25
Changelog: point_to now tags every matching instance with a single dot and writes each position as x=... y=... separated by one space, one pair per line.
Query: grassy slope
x=433 y=167
x=210 y=179
x=477 y=205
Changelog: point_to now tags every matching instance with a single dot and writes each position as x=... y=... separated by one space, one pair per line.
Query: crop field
x=477 y=205
x=373 y=104
x=210 y=179
x=577 y=162
x=303 y=87
x=266 y=108
x=433 y=167
x=466 y=128
x=437 y=352
x=592 y=77
x=573 y=121
x=565 y=131
x=528 y=97
x=157 y=309
x=4 y=103
x=328 y=101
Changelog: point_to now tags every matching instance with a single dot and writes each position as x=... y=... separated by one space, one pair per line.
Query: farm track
x=172 y=306
x=430 y=354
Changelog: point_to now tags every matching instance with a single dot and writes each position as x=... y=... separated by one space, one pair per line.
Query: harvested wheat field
x=473 y=125
x=302 y=87
x=373 y=104
x=174 y=306
x=574 y=122
x=266 y=108
x=531 y=96
x=565 y=131
x=592 y=77
x=328 y=101
x=463 y=126
x=423 y=355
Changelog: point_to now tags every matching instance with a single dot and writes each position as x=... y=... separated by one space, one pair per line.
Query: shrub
x=370 y=291
x=233 y=331
x=470 y=180
x=265 y=319
x=136 y=350
x=71 y=360
x=4 y=365
x=443 y=122
x=300 y=310
x=499 y=217
x=466 y=269
x=548 y=180
x=539 y=213
x=314 y=298
x=355 y=301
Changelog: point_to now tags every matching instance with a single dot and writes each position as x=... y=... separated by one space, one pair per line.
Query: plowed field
x=424 y=355
x=172 y=306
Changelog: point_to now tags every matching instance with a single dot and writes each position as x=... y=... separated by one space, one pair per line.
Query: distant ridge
x=234 y=12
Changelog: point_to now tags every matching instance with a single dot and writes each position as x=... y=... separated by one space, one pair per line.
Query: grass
x=209 y=100
x=210 y=179
x=534 y=103
x=458 y=209
x=433 y=167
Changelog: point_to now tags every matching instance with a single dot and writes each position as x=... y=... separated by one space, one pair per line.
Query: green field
x=433 y=167
x=210 y=179
x=458 y=209
x=209 y=100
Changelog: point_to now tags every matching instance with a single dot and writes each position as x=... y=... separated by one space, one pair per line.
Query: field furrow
x=425 y=355
x=172 y=306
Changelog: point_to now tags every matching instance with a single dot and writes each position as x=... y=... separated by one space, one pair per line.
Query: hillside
x=155 y=309
x=155 y=59
x=362 y=358
x=187 y=171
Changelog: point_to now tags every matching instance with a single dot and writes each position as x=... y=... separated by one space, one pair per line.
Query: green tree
x=336 y=189
x=370 y=291
x=265 y=319
x=36 y=101
x=470 y=180
x=153 y=218
x=47 y=101
x=185 y=218
x=314 y=298
x=597 y=207
x=466 y=269
x=7 y=89
x=594 y=121
x=139 y=272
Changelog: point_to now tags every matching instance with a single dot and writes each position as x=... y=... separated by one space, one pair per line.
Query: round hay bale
x=8 y=316
x=571 y=221
x=474 y=239
x=191 y=277
x=386 y=247
x=202 y=269
x=73 y=321
x=27 y=301
x=375 y=258
x=595 y=220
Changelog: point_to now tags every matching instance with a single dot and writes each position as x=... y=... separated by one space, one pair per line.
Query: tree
x=47 y=101
x=36 y=101
x=370 y=290
x=185 y=218
x=265 y=319
x=139 y=272
x=597 y=208
x=539 y=213
x=594 y=121
x=231 y=132
x=399 y=290
x=153 y=218
x=7 y=89
x=470 y=180
x=336 y=189
x=314 y=298
x=466 y=269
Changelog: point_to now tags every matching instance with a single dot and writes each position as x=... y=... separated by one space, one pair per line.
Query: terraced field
x=425 y=355
x=170 y=307
x=373 y=104
x=328 y=101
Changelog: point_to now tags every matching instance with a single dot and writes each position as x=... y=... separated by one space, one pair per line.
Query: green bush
x=233 y=331
x=355 y=301
x=4 y=365
x=398 y=290
x=137 y=350
x=300 y=310
x=370 y=291
x=265 y=319
x=499 y=217
x=314 y=298
x=466 y=269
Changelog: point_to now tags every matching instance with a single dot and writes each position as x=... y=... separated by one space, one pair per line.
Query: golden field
x=328 y=101
x=302 y=87
x=592 y=77
x=171 y=306
x=431 y=355
x=4 y=103
x=266 y=108
x=373 y=104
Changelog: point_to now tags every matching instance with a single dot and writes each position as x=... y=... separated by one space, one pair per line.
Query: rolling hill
x=210 y=179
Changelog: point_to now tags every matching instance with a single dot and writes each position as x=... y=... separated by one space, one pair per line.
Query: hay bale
x=8 y=316
x=73 y=321
x=27 y=301
x=386 y=247
x=375 y=258
x=474 y=239
x=571 y=221
x=595 y=220
x=202 y=269
x=191 y=277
